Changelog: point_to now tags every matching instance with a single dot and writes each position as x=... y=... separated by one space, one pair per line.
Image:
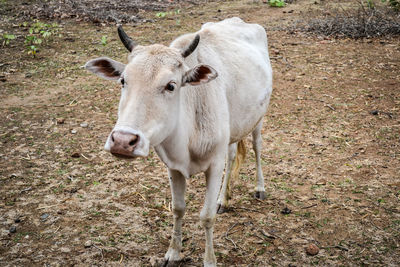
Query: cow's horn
x=188 y=50
x=126 y=40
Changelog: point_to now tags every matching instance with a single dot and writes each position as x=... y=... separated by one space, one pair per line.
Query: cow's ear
x=200 y=74
x=106 y=68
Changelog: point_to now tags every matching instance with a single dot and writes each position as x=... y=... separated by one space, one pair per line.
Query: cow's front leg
x=208 y=213
x=178 y=188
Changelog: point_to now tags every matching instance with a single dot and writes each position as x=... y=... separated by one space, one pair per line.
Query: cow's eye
x=170 y=87
x=122 y=81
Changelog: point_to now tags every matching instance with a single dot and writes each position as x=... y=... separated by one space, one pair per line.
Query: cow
x=194 y=102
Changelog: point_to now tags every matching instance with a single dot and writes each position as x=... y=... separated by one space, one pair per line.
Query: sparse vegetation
x=276 y=3
x=39 y=32
x=6 y=38
x=367 y=20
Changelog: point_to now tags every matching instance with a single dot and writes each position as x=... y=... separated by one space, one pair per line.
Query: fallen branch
x=267 y=234
x=307 y=207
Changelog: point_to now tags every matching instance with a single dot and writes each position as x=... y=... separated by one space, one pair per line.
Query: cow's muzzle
x=123 y=144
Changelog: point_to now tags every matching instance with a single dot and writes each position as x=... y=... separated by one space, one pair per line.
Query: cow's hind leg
x=178 y=188
x=225 y=193
x=257 y=143
x=208 y=213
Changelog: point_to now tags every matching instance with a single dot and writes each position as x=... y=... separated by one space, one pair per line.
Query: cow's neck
x=190 y=146
x=203 y=122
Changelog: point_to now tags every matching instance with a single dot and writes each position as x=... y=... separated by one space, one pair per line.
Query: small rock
x=286 y=211
x=60 y=120
x=84 y=125
x=17 y=220
x=73 y=131
x=65 y=250
x=374 y=112
x=13 y=229
x=28 y=75
x=88 y=244
x=44 y=216
x=75 y=155
x=312 y=249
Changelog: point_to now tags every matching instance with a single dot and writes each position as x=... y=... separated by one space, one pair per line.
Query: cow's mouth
x=121 y=156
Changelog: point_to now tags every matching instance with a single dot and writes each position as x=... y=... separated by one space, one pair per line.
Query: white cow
x=194 y=102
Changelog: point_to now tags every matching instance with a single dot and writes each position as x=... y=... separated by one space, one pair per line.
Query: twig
x=140 y=195
x=26 y=190
x=227 y=238
x=307 y=207
x=329 y=106
x=337 y=246
x=230 y=228
x=269 y=235
x=45 y=207
x=227 y=233
x=72 y=102
x=101 y=251
x=144 y=186
x=85 y=156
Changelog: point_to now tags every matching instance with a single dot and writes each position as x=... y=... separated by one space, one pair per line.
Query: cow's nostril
x=134 y=141
x=112 y=137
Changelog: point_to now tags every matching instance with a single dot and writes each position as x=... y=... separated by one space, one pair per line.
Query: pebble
x=13 y=229
x=88 y=244
x=44 y=216
x=73 y=131
x=312 y=249
x=60 y=120
x=84 y=125
x=18 y=220
x=374 y=112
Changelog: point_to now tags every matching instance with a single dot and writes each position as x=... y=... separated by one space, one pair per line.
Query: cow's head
x=150 y=99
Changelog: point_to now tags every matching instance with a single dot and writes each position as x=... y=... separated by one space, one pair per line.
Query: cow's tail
x=239 y=159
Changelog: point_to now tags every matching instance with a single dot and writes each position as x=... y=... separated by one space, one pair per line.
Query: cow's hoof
x=168 y=263
x=260 y=195
x=221 y=209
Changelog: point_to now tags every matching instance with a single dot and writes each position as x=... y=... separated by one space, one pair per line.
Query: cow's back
x=238 y=51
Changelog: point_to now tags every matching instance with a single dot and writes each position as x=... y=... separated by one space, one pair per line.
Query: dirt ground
x=331 y=152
